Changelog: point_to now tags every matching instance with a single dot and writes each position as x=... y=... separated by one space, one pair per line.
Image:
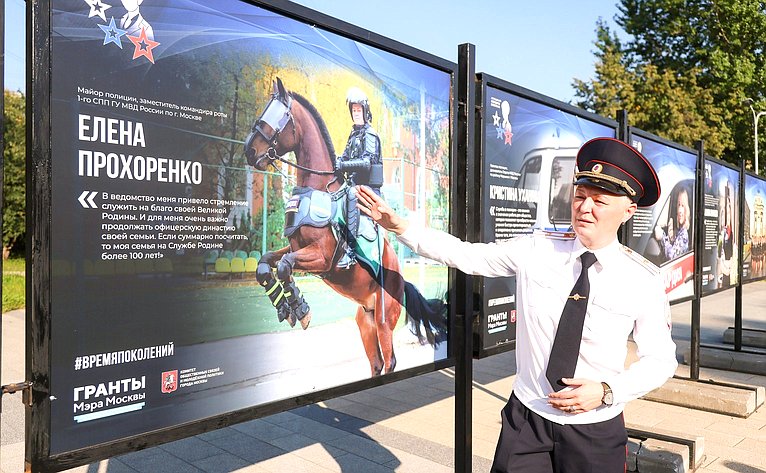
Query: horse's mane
x=320 y=122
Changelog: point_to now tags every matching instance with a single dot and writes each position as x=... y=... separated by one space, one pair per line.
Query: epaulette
x=554 y=235
x=651 y=267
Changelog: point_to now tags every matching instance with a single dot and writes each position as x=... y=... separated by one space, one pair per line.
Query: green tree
x=685 y=71
x=14 y=175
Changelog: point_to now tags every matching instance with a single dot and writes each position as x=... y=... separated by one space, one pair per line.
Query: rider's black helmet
x=356 y=96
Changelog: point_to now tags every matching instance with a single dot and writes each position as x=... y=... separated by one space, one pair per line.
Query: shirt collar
x=604 y=256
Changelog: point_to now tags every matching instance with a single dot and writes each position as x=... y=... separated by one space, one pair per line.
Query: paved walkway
x=407 y=426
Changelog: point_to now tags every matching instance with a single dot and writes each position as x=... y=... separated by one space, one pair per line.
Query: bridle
x=277 y=115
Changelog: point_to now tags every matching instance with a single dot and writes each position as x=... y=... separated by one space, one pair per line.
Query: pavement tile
x=214 y=434
x=247 y=447
x=262 y=429
x=740 y=430
x=756 y=447
x=295 y=464
x=691 y=424
x=337 y=403
x=363 y=447
x=397 y=441
x=114 y=465
x=410 y=463
x=12 y=458
x=281 y=417
x=191 y=449
x=353 y=463
x=155 y=460
x=295 y=442
x=322 y=454
x=484 y=448
x=728 y=438
x=223 y=463
x=324 y=415
x=313 y=429
x=723 y=465
x=734 y=454
x=368 y=413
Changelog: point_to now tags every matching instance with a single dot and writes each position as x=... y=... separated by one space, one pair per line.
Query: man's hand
x=582 y=395
x=377 y=209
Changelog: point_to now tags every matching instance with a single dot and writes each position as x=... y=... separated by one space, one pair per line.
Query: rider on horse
x=361 y=163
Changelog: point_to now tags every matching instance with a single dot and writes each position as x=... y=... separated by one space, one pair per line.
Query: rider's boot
x=352 y=231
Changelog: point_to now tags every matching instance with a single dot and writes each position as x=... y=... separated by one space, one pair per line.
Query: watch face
x=608 y=398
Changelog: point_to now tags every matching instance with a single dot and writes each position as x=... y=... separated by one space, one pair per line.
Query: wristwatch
x=608 y=398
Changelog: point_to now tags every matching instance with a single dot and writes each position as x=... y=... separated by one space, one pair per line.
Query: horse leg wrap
x=274 y=290
x=298 y=305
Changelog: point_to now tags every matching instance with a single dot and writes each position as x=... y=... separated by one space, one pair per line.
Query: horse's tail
x=428 y=314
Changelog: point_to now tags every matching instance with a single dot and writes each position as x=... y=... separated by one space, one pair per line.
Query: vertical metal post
x=741 y=254
x=623 y=134
x=699 y=246
x=2 y=180
x=38 y=242
x=466 y=109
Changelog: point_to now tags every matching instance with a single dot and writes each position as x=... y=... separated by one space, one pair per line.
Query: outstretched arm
x=377 y=209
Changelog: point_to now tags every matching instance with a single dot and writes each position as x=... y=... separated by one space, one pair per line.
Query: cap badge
x=597 y=168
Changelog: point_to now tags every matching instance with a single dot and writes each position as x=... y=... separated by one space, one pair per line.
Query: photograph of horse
x=290 y=123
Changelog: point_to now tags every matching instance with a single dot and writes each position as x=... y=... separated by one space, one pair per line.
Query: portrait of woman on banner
x=675 y=237
x=727 y=234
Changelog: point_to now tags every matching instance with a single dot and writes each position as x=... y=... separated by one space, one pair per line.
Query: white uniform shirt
x=626 y=294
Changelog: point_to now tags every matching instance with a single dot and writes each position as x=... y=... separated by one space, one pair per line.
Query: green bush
x=14 y=175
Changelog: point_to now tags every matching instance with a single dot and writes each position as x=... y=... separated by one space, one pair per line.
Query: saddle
x=320 y=209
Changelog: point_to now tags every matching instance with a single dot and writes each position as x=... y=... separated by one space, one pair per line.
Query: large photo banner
x=754 y=229
x=720 y=253
x=207 y=252
x=664 y=232
x=528 y=153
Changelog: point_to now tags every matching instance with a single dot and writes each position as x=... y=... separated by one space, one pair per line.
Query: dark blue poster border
x=41 y=268
x=718 y=212
x=754 y=231
x=519 y=192
x=676 y=167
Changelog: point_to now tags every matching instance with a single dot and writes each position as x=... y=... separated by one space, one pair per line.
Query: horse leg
x=365 y=320
x=273 y=288
x=385 y=327
x=299 y=309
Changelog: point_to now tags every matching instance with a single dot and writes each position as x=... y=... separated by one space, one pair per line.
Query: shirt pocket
x=609 y=320
x=544 y=298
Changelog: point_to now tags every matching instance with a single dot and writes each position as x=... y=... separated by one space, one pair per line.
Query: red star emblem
x=508 y=136
x=143 y=45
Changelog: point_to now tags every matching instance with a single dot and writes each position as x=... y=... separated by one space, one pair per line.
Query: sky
x=541 y=45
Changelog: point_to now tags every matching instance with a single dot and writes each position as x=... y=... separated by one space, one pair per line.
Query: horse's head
x=266 y=141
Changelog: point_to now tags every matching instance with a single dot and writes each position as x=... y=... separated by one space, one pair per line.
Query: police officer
x=360 y=164
x=578 y=300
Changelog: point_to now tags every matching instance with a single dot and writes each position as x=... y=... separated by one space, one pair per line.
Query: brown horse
x=290 y=123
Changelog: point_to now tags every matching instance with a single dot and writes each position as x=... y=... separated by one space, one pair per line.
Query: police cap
x=616 y=167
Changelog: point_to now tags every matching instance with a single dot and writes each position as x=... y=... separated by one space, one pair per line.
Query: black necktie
x=566 y=345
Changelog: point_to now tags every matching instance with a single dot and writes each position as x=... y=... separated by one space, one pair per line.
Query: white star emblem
x=97 y=8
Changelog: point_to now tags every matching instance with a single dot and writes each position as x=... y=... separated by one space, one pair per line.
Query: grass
x=13 y=284
x=13 y=264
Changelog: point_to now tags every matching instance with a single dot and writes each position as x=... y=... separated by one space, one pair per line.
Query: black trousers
x=531 y=444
